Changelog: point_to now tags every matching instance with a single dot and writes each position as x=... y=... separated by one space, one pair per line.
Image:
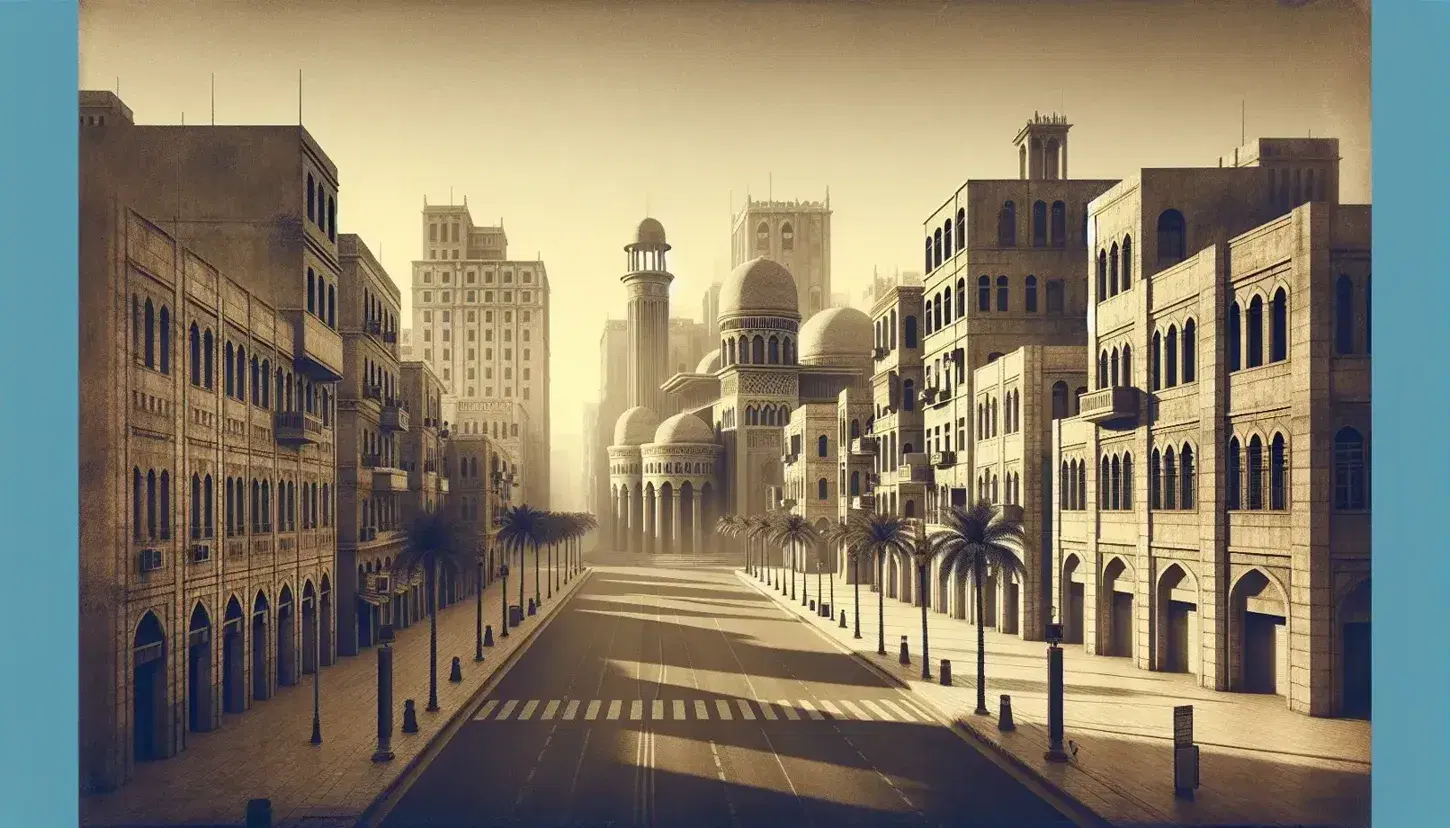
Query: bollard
x=410 y=717
x=1004 y=719
x=946 y=672
x=843 y=619
x=455 y=675
x=488 y=636
x=905 y=653
x=813 y=605
x=532 y=608
x=259 y=813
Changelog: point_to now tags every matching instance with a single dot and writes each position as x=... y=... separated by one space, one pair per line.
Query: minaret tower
x=1042 y=147
x=648 y=282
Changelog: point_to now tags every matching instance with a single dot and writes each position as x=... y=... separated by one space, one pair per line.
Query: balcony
x=914 y=468
x=367 y=534
x=374 y=327
x=878 y=353
x=316 y=348
x=442 y=485
x=395 y=415
x=373 y=392
x=389 y=480
x=297 y=427
x=943 y=459
x=864 y=502
x=390 y=337
x=864 y=446
x=790 y=458
x=1111 y=406
x=929 y=394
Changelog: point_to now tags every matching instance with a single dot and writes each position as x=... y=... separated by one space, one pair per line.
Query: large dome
x=650 y=233
x=635 y=427
x=760 y=286
x=710 y=364
x=684 y=428
x=835 y=336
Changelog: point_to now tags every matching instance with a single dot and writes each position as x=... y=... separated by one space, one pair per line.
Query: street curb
x=961 y=725
x=373 y=814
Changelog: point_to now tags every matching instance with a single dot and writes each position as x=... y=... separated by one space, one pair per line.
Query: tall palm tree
x=878 y=537
x=434 y=542
x=522 y=526
x=589 y=523
x=729 y=526
x=835 y=537
x=975 y=540
x=757 y=529
x=854 y=554
x=922 y=554
x=796 y=531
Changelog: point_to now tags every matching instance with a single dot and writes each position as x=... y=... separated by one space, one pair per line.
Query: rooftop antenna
x=213 y=98
x=183 y=117
x=1243 y=122
x=770 y=187
x=299 y=97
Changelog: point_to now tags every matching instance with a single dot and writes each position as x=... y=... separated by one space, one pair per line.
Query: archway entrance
x=1073 y=591
x=261 y=675
x=148 y=689
x=1177 y=611
x=310 y=648
x=234 y=688
x=944 y=589
x=1354 y=664
x=198 y=672
x=286 y=639
x=1261 y=635
x=1118 y=592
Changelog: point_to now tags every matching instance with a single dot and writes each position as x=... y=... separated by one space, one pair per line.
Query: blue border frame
x=1411 y=566
x=40 y=616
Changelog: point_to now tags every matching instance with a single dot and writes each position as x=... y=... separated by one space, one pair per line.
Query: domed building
x=745 y=411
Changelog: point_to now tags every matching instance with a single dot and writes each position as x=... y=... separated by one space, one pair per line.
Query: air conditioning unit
x=150 y=560
x=200 y=553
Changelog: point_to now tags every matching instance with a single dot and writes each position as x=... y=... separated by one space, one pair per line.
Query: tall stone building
x=647 y=283
x=613 y=401
x=797 y=235
x=209 y=356
x=481 y=321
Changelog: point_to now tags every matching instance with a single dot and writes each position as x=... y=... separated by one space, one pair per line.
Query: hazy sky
x=566 y=119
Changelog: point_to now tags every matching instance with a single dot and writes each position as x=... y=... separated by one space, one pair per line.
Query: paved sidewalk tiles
x=1261 y=764
x=266 y=751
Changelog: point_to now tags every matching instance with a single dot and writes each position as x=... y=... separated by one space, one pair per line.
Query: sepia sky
x=566 y=119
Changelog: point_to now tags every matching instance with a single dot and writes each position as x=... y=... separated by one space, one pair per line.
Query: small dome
x=835 y=336
x=760 y=286
x=710 y=364
x=650 y=233
x=635 y=426
x=684 y=428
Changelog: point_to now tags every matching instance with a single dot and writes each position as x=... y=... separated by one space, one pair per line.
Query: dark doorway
x=286 y=639
x=198 y=672
x=1261 y=652
x=148 y=685
x=261 y=678
x=234 y=691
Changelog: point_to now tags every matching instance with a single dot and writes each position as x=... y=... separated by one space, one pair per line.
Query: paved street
x=673 y=697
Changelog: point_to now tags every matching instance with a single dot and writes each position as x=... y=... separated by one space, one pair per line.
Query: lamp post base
x=316 y=731
x=1055 y=755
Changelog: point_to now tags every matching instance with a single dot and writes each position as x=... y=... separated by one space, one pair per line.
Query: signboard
x=1183 y=725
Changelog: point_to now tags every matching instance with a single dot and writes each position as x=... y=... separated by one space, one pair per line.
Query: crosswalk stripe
x=571 y=710
x=855 y=711
x=745 y=711
x=878 y=712
x=724 y=708
x=811 y=710
x=528 y=711
x=906 y=715
x=766 y=710
x=613 y=714
x=487 y=708
x=657 y=709
x=636 y=710
x=701 y=711
x=679 y=710
x=831 y=709
x=550 y=709
x=508 y=707
x=917 y=709
x=592 y=711
x=789 y=710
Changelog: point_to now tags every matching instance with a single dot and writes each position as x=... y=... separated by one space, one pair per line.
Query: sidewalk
x=266 y=753
x=1260 y=764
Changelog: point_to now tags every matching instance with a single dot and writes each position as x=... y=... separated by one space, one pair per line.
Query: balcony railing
x=395 y=414
x=374 y=327
x=389 y=480
x=915 y=468
x=297 y=427
x=789 y=458
x=1117 y=405
x=865 y=502
x=316 y=348
x=373 y=392
x=943 y=459
x=878 y=353
x=864 y=446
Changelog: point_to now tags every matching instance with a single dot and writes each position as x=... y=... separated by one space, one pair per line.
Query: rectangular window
x=473 y=316
x=427 y=277
x=488 y=278
x=508 y=296
x=447 y=374
x=526 y=297
x=472 y=296
x=470 y=391
x=508 y=373
x=488 y=392
x=447 y=277
x=427 y=335
x=508 y=335
x=470 y=373
x=488 y=316
x=508 y=316
x=447 y=294
x=526 y=393
x=432 y=232
x=508 y=354
x=446 y=334
x=427 y=316
x=488 y=296
x=471 y=353
x=526 y=355
x=526 y=374
x=528 y=278
x=427 y=296
x=428 y=354
x=448 y=316
x=527 y=337
x=488 y=373
x=508 y=277
x=488 y=353
x=447 y=354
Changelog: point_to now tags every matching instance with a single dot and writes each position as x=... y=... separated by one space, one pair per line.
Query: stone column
x=659 y=521
x=677 y=525
x=697 y=506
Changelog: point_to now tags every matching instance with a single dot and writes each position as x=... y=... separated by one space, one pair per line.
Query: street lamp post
x=384 y=752
x=316 y=673
x=478 y=625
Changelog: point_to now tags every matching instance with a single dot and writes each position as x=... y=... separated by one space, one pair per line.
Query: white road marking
x=745 y=711
x=613 y=714
x=701 y=711
x=572 y=709
x=508 y=707
x=723 y=707
x=678 y=708
x=636 y=710
x=878 y=712
x=592 y=712
x=487 y=708
x=657 y=709
x=550 y=709
x=767 y=711
x=811 y=710
x=905 y=714
x=789 y=710
x=832 y=709
x=855 y=711
x=528 y=711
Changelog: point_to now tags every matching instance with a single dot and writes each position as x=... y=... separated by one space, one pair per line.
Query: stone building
x=796 y=234
x=1213 y=509
x=894 y=428
x=856 y=459
x=209 y=352
x=481 y=321
x=503 y=422
x=422 y=446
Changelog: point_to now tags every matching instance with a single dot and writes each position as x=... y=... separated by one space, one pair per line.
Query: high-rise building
x=797 y=235
x=481 y=321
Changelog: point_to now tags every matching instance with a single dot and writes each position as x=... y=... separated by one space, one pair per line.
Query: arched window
x=757 y=350
x=194 y=340
x=1105 y=485
x=946 y=306
x=1127 y=365
x=928 y=255
x=1343 y=316
x=773 y=351
x=230 y=387
x=946 y=239
x=1113 y=270
x=1039 y=224
x=1081 y=486
x=961 y=298
x=1235 y=342
x=1059 y=400
x=1059 y=224
x=311 y=291
x=331 y=218
x=1002 y=293
x=1103 y=369
x=936 y=310
x=1256 y=332
x=1115 y=485
x=148 y=335
x=1170 y=479
x=311 y=200
x=1155 y=359
x=1279 y=326
x=984 y=293
x=331 y=306
x=241 y=373
x=164 y=329
x=1113 y=375
x=936 y=248
x=961 y=229
x=1055 y=300
x=1127 y=481
x=891 y=331
x=137 y=501
x=787 y=237
x=1064 y=486
x=821 y=489
x=821 y=444
x=908 y=395
x=1127 y=278
x=1155 y=480
x=762 y=236
x=1189 y=476
x=1254 y=462
x=1102 y=275
x=1278 y=474
x=1190 y=350
x=195 y=506
x=855 y=483
x=787 y=355
x=1170 y=357
x=744 y=350
x=1031 y=299
x=910 y=335
x=1350 y=483
x=1007 y=225
x=1172 y=238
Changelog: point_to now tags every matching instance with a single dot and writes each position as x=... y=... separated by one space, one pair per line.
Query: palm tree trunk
x=433 y=638
x=921 y=592
x=522 y=572
x=833 y=589
x=881 y=606
x=820 y=592
x=856 y=578
x=537 y=600
x=551 y=570
x=981 y=647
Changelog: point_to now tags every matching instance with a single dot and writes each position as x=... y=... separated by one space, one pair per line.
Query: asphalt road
x=617 y=716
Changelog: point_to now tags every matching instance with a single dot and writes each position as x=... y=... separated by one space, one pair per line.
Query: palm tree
x=977 y=539
x=835 y=537
x=521 y=527
x=434 y=542
x=854 y=554
x=757 y=528
x=796 y=531
x=878 y=537
x=588 y=523
x=729 y=526
x=922 y=554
